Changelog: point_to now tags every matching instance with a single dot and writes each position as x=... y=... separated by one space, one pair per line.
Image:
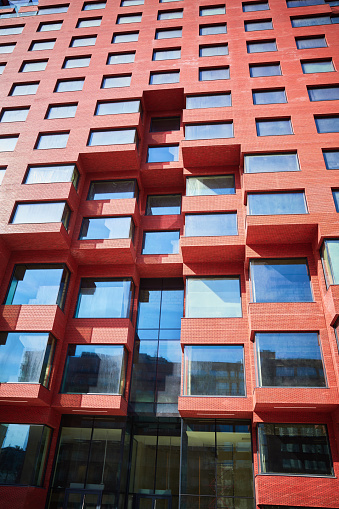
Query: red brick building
x=169 y=254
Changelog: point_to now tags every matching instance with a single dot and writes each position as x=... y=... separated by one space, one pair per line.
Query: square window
x=163 y=154
x=325 y=93
x=263 y=204
x=318 y=41
x=213 y=185
x=61 y=111
x=121 y=58
x=129 y=18
x=327 y=124
x=213 y=50
x=166 y=54
x=274 y=96
x=160 y=78
x=104 y=298
x=261 y=46
x=42 y=45
x=88 y=22
x=314 y=66
x=260 y=70
x=267 y=163
x=274 y=127
x=14 y=114
x=218 y=28
x=262 y=24
x=78 y=42
x=161 y=242
x=50 y=27
x=214 y=73
x=38 y=65
x=52 y=140
x=125 y=37
x=168 y=33
x=69 y=85
x=208 y=101
x=213 y=297
x=112 y=137
x=24 y=89
x=120 y=80
x=163 y=124
x=212 y=10
x=255 y=6
x=163 y=205
x=8 y=143
x=73 y=62
x=331 y=158
x=209 y=131
x=170 y=14
x=211 y=225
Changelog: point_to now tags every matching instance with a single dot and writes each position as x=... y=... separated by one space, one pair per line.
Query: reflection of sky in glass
x=213 y=297
x=209 y=225
x=276 y=203
x=333 y=251
x=106 y=228
x=16 y=436
x=163 y=154
x=290 y=345
x=103 y=299
x=164 y=242
x=271 y=163
x=39 y=286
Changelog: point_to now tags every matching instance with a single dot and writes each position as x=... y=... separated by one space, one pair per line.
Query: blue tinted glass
x=303 y=3
x=265 y=70
x=210 y=225
x=276 y=203
x=311 y=21
x=311 y=42
x=264 y=163
x=261 y=47
x=163 y=154
x=144 y=361
x=172 y=306
x=317 y=66
x=106 y=228
x=327 y=124
x=323 y=93
x=273 y=127
x=280 y=281
x=164 y=77
x=208 y=101
x=113 y=137
x=112 y=190
x=255 y=6
x=162 y=242
x=214 y=74
x=251 y=26
x=163 y=204
x=336 y=199
x=208 y=131
x=213 y=29
x=213 y=297
x=331 y=158
x=291 y=359
x=149 y=309
x=269 y=97
x=104 y=298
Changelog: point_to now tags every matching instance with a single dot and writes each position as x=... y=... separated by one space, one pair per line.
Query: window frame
x=65 y=80
x=49 y=133
x=274 y=119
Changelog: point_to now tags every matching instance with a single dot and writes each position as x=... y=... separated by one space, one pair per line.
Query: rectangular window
x=326 y=93
x=161 y=242
x=8 y=143
x=117 y=107
x=12 y=30
x=261 y=46
x=26 y=357
x=104 y=298
x=168 y=33
x=55 y=9
x=280 y=280
x=2 y=173
x=95 y=369
x=212 y=10
x=112 y=137
x=163 y=124
x=2 y=68
x=42 y=212
x=38 y=65
x=91 y=6
x=327 y=124
x=72 y=62
x=113 y=190
x=255 y=6
x=38 y=285
x=129 y=3
x=7 y=48
x=166 y=54
x=121 y=58
x=163 y=205
x=213 y=297
x=262 y=24
x=208 y=101
x=264 y=204
x=311 y=21
x=129 y=18
x=216 y=73
x=208 y=131
x=211 y=225
x=78 y=42
x=117 y=81
x=217 y=28
x=313 y=66
x=289 y=359
x=69 y=85
x=52 y=140
x=335 y=194
x=300 y=449
x=14 y=115
x=24 y=89
x=160 y=78
x=330 y=259
x=267 y=163
x=170 y=14
x=95 y=228
x=214 y=370
x=318 y=41
x=274 y=96
x=51 y=174
x=210 y=186
x=28 y=444
x=62 y=111
x=303 y=3
x=258 y=70
x=42 y=45
x=125 y=37
x=213 y=50
x=276 y=127
x=167 y=1
x=331 y=158
x=50 y=27
x=88 y=22
x=163 y=154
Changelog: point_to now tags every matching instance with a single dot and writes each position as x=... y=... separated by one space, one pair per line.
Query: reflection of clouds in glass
x=16 y=436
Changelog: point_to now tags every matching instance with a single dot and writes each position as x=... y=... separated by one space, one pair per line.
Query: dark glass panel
x=112 y=190
x=162 y=124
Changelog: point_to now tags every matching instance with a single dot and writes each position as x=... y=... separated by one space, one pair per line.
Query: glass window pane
x=50 y=27
x=289 y=359
x=214 y=371
x=220 y=28
x=43 y=212
x=104 y=298
x=331 y=158
x=252 y=26
x=311 y=21
x=90 y=6
x=52 y=10
x=6 y=48
x=120 y=58
x=261 y=46
x=113 y=137
x=69 y=85
x=95 y=369
x=265 y=70
x=34 y=66
x=42 y=45
x=255 y=6
x=71 y=63
x=128 y=3
x=213 y=10
x=129 y=18
x=317 y=66
x=276 y=203
x=213 y=297
x=208 y=131
x=285 y=280
x=161 y=242
x=211 y=185
x=2 y=174
x=294 y=449
x=311 y=42
x=125 y=37
x=106 y=228
x=163 y=124
x=222 y=73
x=327 y=124
x=170 y=14
x=208 y=101
x=210 y=225
x=25 y=89
x=163 y=204
x=274 y=127
x=117 y=107
x=55 y=173
x=78 y=42
x=26 y=357
x=269 y=96
x=37 y=284
x=330 y=257
x=112 y=190
x=166 y=54
x=168 y=33
x=211 y=51
x=65 y=111
x=46 y=141
x=8 y=143
x=265 y=163
x=328 y=93
x=11 y=30
x=116 y=81
x=303 y=3
x=89 y=22
x=15 y=115
x=336 y=199
x=164 y=77
x=162 y=154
